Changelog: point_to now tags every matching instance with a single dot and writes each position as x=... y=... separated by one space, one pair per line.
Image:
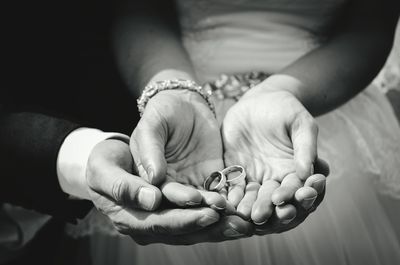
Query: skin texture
x=115 y=190
x=163 y=143
x=177 y=145
x=274 y=136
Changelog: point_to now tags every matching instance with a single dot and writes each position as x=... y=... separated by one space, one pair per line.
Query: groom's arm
x=29 y=145
x=43 y=161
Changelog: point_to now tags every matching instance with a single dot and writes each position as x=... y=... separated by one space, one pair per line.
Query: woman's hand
x=177 y=144
x=273 y=136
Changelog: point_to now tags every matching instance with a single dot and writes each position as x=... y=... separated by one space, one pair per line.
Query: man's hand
x=177 y=144
x=109 y=177
x=274 y=137
x=127 y=199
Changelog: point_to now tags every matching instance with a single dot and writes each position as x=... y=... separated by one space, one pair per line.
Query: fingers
x=236 y=193
x=124 y=188
x=263 y=206
x=187 y=196
x=147 y=147
x=167 y=222
x=228 y=228
x=317 y=181
x=304 y=133
x=246 y=204
x=285 y=213
x=283 y=219
x=289 y=216
x=285 y=193
x=215 y=200
x=305 y=197
x=181 y=195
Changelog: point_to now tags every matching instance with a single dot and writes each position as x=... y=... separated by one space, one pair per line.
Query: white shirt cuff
x=73 y=157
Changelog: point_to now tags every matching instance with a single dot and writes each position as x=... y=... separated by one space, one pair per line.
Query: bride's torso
x=236 y=36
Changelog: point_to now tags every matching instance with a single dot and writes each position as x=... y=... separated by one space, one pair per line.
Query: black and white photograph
x=200 y=132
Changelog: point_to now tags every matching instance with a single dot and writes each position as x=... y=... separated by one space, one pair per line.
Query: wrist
x=170 y=74
x=279 y=83
x=73 y=157
x=181 y=95
x=186 y=90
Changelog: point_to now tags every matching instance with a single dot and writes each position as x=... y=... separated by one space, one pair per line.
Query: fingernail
x=206 y=220
x=307 y=203
x=319 y=185
x=230 y=232
x=192 y=203
x=217 y=208
x=147 y=198
x=260 y=223
x=280 y=203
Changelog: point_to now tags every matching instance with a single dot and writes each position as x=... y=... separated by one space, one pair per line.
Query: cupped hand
x=275 y=224
x=274 y=137
x=133 y=205
x=177 y=144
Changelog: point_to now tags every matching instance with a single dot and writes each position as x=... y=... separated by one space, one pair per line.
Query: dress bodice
x=234 y=36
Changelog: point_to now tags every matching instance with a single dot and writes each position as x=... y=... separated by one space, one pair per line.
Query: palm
x=254 y=135
x=194 y=148
x=261 y=132
x=191 y=140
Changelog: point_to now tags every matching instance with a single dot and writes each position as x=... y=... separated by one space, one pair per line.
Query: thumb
x=304 y=134
x=125 y=189
x=148 y=149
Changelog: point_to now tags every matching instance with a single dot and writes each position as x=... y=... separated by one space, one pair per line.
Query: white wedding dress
x=359 y=219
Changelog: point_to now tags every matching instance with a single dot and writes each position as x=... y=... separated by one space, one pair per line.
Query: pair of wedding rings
x=220 y=179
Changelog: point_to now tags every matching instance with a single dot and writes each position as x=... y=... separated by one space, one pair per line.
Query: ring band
x=237 y=179
x=221 y=184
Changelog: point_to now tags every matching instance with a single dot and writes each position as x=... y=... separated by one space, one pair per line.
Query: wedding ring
x=218 y=177
x=231 y=169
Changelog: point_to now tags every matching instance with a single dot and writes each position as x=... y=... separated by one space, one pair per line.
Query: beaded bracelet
x=153 y=88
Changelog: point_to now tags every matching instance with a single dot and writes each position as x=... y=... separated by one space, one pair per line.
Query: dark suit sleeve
x=29 y=144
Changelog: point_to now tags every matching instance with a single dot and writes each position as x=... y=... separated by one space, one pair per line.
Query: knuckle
x=119 y=222
x=215 y=198
x=159 y=229
x=118 y=189
x=121 y=226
